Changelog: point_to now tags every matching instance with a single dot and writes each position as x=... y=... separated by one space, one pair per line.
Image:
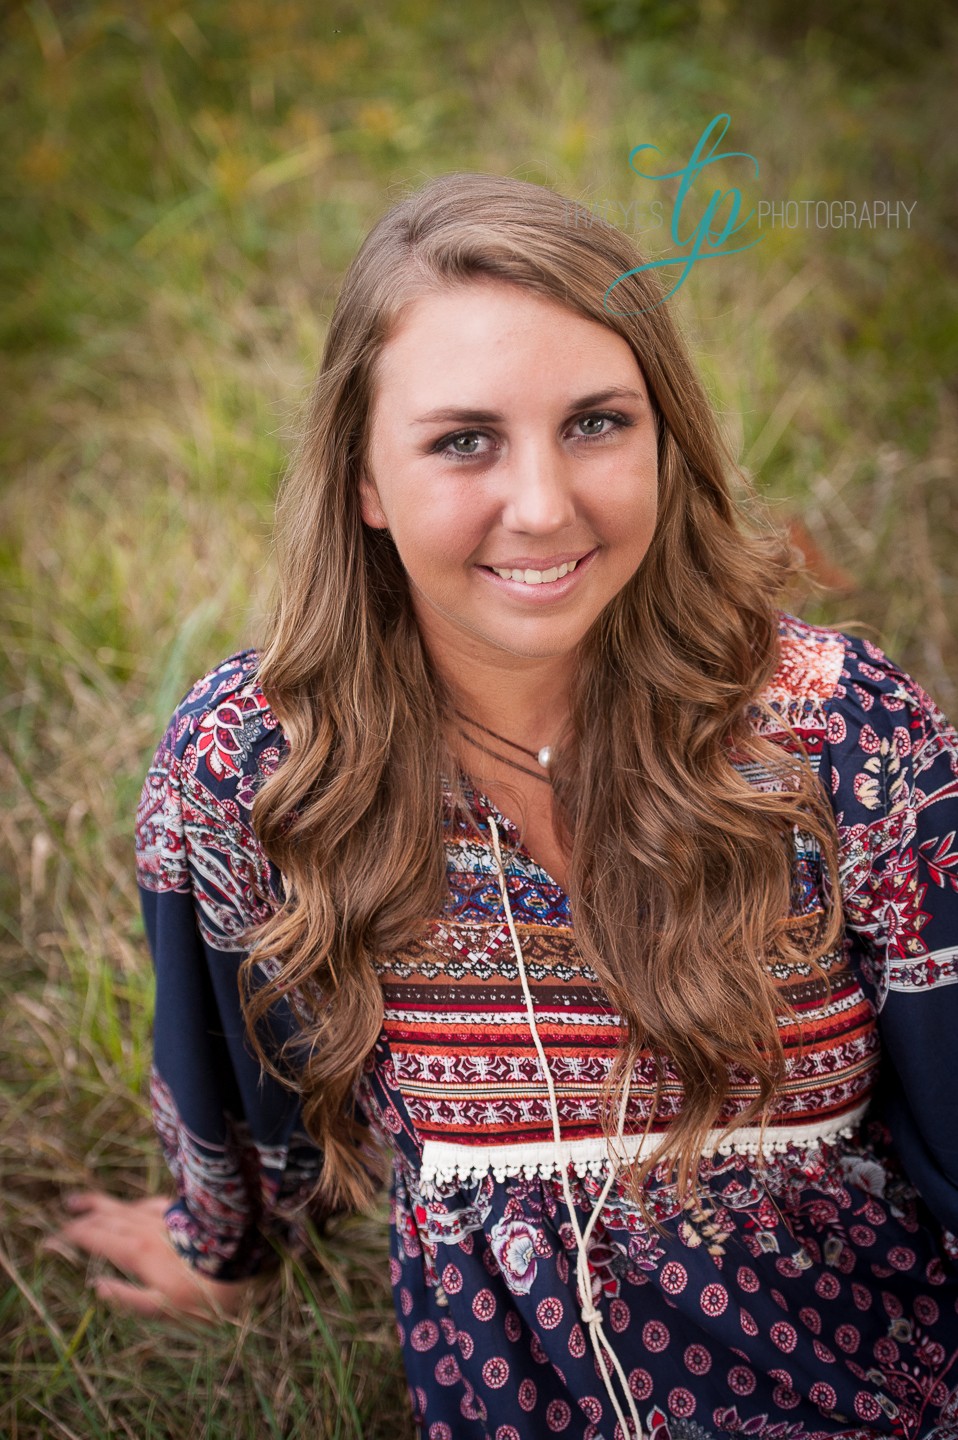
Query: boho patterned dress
x=812 y=1289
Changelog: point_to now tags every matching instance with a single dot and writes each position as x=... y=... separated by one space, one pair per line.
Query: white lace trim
x=450 y=1164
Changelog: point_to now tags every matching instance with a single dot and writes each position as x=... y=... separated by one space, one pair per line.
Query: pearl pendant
x=544 y=756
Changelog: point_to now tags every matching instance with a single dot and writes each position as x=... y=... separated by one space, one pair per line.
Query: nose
x=540 y=498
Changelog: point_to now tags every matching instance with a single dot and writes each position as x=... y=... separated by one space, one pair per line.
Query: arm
x=892 y=771
x=233 y=1138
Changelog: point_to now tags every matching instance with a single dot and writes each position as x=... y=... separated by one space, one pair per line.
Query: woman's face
x=512 y=458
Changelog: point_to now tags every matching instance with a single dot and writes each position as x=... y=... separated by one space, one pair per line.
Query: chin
x=546 y=648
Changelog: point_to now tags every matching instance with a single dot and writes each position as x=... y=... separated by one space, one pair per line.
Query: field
x=182 y=187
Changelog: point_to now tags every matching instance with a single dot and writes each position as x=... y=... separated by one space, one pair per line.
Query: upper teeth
x=537 y=577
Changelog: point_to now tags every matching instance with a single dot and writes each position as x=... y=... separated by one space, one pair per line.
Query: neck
x=526 y=700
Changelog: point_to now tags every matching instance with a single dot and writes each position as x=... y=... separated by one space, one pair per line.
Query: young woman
x=549 y=857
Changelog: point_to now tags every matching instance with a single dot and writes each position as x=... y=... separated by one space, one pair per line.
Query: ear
x=370 y=507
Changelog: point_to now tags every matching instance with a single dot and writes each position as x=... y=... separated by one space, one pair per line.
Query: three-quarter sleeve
x=891 y=767
x=232 y=1136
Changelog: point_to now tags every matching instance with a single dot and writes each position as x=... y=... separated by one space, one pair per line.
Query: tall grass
x=181 y=187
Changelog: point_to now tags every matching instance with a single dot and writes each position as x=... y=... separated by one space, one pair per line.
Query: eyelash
x=621 y=422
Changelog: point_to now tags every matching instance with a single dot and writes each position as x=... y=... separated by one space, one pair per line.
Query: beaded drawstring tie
x=591 y=1315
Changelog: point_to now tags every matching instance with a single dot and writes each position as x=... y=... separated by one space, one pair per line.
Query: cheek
x=649 y=493
x=433 y=545
x=445 y=530
x=631 y=512
x=652 y=507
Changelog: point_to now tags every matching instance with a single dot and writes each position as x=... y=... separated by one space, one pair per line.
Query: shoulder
x=195 y=813
x=879 y=742
x=878 y=704
x=223 y=736
x=827 y=684
x=223 y=726
x=810 y=664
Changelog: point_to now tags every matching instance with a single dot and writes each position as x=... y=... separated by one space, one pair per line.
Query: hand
x=132 y=1235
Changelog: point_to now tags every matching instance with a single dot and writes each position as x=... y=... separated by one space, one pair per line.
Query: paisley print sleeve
x=233 y=1139
x=891 y=767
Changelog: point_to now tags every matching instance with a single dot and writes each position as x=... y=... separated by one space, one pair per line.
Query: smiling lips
x=537 y=577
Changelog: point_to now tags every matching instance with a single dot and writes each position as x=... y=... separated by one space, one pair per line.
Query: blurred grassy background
x=181 y=187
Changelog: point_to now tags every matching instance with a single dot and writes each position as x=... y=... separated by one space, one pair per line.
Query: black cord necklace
x=543 y=756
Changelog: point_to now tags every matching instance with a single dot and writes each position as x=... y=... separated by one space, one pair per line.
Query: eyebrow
x=462 y=415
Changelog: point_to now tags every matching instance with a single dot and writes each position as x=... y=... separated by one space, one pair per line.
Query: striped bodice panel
x=464 y=1060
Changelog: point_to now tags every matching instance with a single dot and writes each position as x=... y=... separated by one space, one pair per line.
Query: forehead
x=487 y=333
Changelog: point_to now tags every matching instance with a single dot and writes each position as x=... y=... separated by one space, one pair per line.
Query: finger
x=132 y=1223
x=154 y=1204
x=152 y=1304
x=120 y=1244
x=78 y=1202
x=133 y=1299
x=102 y=1200
x=98 y=1202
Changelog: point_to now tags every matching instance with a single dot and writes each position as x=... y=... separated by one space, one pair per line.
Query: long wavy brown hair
x=680 y=868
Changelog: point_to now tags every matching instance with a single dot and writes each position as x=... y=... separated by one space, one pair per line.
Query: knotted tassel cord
x=590 y=1314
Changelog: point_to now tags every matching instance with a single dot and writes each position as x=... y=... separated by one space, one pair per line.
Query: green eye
x=602 y=424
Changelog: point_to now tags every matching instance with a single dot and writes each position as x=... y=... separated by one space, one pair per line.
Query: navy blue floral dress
x=810 y=1290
